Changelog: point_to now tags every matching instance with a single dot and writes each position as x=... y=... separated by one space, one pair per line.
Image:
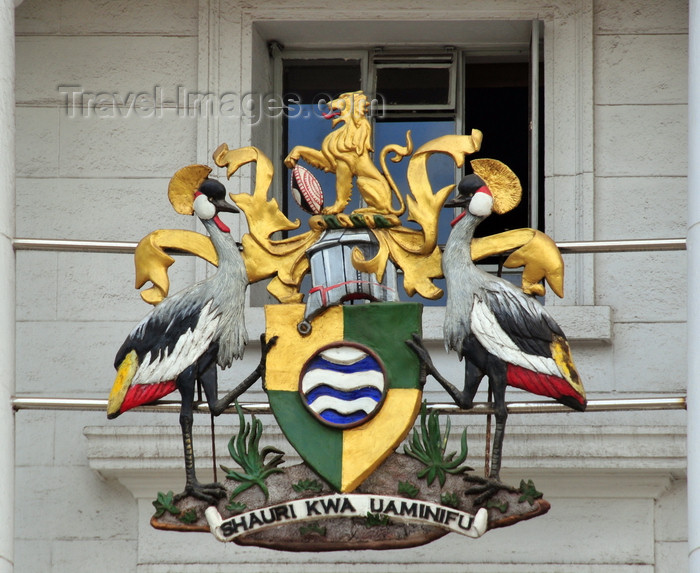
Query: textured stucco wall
x=616 y=166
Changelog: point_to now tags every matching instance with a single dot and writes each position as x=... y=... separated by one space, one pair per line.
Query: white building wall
x=616 y=81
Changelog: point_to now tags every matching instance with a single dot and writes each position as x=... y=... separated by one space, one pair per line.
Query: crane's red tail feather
x=545 y=385
x=140 y=394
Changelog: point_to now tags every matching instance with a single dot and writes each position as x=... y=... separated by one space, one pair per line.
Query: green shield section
x=319 y=445
x=384 y=328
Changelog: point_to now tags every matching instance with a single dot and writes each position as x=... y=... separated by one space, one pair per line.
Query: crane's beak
x=223 y=206
x=460 y=201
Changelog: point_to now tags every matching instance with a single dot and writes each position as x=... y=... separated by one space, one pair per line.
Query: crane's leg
x=473 y=373
x=486 y=488
x=428 y=368
x=207 y=374
x=498 y=387
x=476 y=359
x=210 y=493
x=480 y=362
x=220 y=405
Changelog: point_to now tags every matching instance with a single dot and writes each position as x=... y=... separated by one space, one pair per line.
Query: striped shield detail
x=347 y=394
x=343 y=385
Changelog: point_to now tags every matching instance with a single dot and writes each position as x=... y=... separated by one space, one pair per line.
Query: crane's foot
x=266 y=345
x=210 y=492
x=485 y=488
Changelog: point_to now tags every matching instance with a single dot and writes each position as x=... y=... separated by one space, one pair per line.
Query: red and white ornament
x=306 y=190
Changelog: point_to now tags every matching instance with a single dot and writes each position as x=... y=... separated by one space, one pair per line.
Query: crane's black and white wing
x=517 y=329
x=168 y=349
x=162 y=345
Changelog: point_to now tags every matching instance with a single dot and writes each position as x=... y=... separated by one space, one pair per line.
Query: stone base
x=504 y=508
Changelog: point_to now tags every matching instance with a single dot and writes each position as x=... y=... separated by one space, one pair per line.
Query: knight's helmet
x=334 y=279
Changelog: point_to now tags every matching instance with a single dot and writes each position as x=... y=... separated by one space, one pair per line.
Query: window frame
x=397 y=58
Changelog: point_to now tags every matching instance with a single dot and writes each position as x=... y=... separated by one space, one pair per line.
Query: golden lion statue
x=346 y=152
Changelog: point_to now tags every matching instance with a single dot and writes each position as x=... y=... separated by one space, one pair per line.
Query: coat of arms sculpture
x=343 y=364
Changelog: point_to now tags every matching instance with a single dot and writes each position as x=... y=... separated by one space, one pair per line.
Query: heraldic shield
x=346 y=394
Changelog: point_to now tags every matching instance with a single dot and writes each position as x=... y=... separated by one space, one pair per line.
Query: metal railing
x=481 y=408
x=569 y=247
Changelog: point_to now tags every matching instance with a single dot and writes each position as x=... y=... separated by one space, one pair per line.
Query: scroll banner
x=347 y=505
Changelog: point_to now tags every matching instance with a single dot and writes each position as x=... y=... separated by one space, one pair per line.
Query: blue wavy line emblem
x=343 y=386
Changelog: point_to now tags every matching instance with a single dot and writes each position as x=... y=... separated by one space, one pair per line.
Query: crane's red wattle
x=222 y=226
x=458 y=218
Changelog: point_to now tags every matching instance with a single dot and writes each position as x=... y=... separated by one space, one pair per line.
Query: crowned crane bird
x=184 y=338
x=500 y=331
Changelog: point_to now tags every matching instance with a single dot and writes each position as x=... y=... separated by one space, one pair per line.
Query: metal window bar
x=482 y=408
x=535 y=38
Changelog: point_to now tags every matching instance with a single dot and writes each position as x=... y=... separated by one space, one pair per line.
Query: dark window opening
x=413 y=86
x=496 y=101
x=309 y=81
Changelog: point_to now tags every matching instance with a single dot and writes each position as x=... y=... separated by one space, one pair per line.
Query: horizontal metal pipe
x=73 y=246
x=613 y=405
x=622 y=246
x=618 y=246
x=480 y=408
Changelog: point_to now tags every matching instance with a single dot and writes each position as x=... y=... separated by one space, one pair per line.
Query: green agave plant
x=244 y=449
x=312 y=528
x=429 y=446
x=189 y=517
x=449 y=499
